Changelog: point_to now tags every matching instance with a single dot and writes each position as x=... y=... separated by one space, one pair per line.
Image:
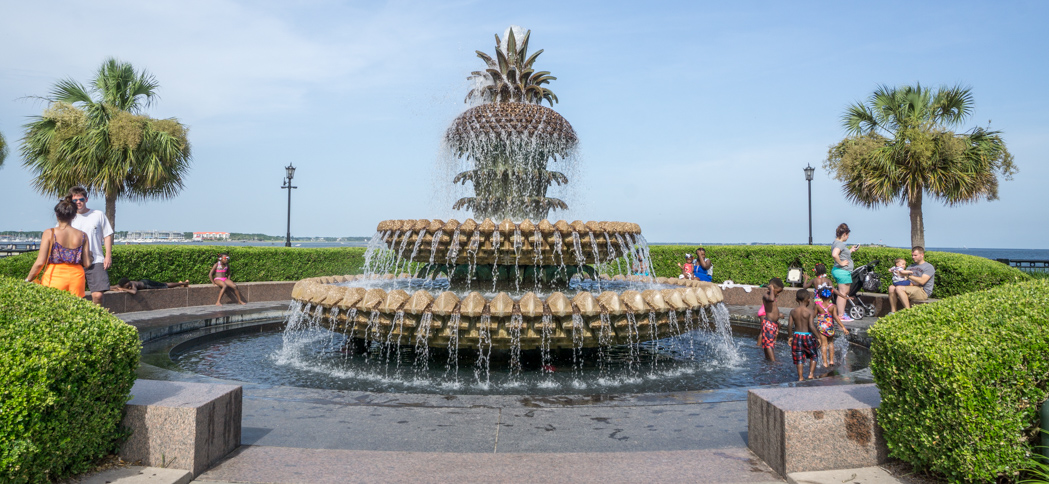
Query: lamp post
x=808 y=176
x=287 y=184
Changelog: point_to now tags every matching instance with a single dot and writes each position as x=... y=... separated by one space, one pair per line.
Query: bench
x=181 y=425
x=802 y=429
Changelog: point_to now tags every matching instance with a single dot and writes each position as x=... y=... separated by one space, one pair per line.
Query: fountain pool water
x=313 y=357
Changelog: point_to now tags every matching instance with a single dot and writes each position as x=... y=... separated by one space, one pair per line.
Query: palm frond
x=859 y=119
x=69 y=91
x=123 y=88
x=952 y=105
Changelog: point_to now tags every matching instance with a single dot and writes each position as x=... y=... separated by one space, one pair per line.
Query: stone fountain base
x=530 y=322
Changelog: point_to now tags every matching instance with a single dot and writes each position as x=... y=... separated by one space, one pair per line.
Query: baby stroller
x=863 y=277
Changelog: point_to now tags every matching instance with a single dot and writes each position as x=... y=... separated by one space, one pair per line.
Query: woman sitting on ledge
x=127 y=285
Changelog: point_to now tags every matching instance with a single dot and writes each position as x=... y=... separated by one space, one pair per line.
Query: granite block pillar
x=182 y=425
x=805 y=429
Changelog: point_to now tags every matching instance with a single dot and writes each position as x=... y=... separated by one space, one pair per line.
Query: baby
x=900 y=273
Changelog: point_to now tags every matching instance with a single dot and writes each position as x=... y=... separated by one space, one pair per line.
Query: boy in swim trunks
x=803 y=343
x=770 y=321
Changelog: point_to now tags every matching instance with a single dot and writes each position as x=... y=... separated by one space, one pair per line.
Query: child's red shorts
x=803 y=345
x=769 y=329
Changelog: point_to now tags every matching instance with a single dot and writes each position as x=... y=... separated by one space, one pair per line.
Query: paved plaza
x=308 y=435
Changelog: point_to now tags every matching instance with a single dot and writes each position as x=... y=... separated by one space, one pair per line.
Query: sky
x=695 y=119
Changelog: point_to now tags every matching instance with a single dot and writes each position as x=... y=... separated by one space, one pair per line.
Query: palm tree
x=899 y=149
x=3 y=149
x=104 y=143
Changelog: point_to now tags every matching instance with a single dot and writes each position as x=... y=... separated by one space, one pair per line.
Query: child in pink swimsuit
x=220 y=276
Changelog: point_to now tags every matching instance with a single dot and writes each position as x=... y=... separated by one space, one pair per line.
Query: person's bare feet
x=242 y=302
x=811 y=377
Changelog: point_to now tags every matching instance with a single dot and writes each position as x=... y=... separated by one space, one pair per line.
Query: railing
x=1028 y=265
x=15 y=248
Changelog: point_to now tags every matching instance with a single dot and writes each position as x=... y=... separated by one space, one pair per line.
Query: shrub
x=961 y=381
x=746 y=264
x=168 y=263
x=66 y=369
x=756 y=264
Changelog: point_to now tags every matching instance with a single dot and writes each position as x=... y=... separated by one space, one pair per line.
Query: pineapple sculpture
x=509 y=137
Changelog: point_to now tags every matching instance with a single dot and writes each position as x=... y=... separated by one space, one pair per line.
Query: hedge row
x=745 y=264
x=756 y=264
x=66 y=370
x=167 y=263
x=961 y=381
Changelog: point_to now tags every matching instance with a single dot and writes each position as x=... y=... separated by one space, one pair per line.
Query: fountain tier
x=509 y=243
x=527 y=322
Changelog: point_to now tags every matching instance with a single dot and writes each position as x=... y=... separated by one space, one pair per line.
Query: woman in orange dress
x=65 y=251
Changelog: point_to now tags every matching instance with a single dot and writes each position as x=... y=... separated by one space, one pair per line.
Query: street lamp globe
x=291 y=171
x=808 y=172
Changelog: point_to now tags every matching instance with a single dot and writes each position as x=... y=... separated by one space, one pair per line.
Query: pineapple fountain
x=507 y=280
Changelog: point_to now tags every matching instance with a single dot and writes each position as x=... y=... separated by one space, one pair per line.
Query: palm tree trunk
x=111 y=210
x=917 y=222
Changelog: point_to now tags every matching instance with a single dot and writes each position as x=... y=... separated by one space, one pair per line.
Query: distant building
x=155 y=236
x=202 y=236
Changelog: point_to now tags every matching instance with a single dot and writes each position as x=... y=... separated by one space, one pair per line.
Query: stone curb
x=864 y=475
x=138 y=475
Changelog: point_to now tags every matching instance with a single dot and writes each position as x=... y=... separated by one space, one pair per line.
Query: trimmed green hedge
x=745 y=264
x=961 y=381
x=168 y=263
x=756 y=264
x=66 y=371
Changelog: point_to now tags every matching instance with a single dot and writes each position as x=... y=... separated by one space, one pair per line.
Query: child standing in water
x=826 y=313
x=799 y=326
x=220 y=275
x=770 y=321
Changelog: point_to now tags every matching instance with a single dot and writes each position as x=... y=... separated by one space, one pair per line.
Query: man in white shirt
x=97 y=228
